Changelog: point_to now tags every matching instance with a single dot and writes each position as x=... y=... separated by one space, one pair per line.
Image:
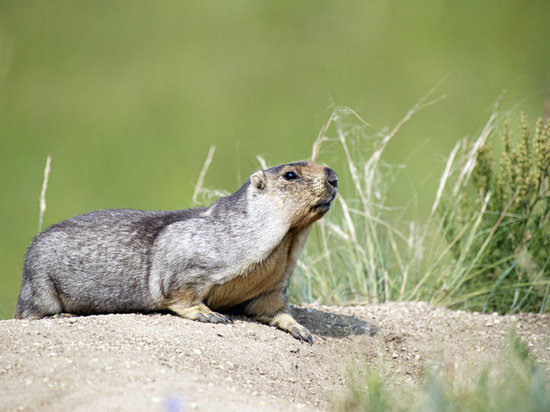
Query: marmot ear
x=258 y=180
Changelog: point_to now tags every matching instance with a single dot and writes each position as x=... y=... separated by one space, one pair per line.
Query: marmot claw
x=213 y=318
x=303 y=335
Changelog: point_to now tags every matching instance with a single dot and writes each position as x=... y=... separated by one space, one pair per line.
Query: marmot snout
x=236 y=255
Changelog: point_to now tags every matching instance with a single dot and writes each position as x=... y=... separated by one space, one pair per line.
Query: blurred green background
x=127 y=97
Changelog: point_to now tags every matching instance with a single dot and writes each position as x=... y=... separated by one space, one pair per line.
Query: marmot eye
x=290 y=176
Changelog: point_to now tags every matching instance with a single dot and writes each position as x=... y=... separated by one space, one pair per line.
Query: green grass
x=515 y=383
x=483 y=246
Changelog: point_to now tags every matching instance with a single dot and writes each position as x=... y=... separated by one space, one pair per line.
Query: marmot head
x=301 y=192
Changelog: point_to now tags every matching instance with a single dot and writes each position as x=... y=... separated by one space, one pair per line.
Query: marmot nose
x=332 y=177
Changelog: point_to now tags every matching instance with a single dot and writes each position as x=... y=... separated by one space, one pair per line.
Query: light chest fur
x=270 y=274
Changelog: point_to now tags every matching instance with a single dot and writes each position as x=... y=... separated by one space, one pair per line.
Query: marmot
x=235 y=256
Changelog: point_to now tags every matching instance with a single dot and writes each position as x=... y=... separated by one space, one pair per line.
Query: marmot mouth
x=324 y=206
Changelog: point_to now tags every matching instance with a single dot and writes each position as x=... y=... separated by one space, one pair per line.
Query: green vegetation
x=496 y=218
x=484 y=246
x=516 y=383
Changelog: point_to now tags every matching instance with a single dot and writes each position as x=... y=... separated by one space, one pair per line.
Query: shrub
x=497 y=220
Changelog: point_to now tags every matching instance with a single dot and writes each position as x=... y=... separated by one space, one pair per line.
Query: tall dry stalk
x=353 y=253
x=43 y=193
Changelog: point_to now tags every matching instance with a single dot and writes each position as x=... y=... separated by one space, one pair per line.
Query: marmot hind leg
x=37 y=301
x=271 y=308
x=40 y=308
x=189 y=306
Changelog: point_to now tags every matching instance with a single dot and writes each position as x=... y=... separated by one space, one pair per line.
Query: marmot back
x=238 y=254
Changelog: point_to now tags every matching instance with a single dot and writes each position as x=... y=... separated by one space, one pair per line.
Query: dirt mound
x=162 y=362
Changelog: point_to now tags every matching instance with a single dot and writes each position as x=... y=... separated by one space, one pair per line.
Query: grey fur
x=127 y=260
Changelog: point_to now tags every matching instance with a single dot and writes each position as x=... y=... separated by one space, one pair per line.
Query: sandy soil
x=161 y=362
